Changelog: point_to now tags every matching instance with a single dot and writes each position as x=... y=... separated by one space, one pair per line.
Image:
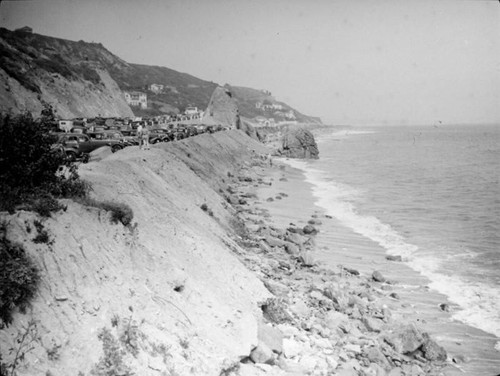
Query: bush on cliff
x=31 y=169
x=120 y=212
x=19 y=277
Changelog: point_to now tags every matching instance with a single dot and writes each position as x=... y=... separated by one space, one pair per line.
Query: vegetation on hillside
x=32 y=59
x=32 y=172
x=33 y=175
x=19 y=278
x=181 y=90
x=246 y=99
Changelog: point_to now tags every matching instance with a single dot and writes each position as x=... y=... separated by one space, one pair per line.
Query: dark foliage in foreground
x=19 y=278
x=33 y=173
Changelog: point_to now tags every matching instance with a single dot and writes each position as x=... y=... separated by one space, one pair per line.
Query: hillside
x=72 y=76
x=248 y=101
x=181 y=89
x=83 y=79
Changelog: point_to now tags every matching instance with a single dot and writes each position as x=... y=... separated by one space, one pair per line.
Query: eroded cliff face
x=70 y=98
x=222 y=109
x=169 y=288
x=71 y=76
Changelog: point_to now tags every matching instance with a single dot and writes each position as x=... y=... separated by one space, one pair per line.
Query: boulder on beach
x=307 y=259
x=274 y=311
x=310 y=230
x=350 y=270
x=271 y=337
x=444 y=307
x=296 y=238
x=406 y=339
x=394 y=258
x=276 y=288
x=432 y=351
x=292 y=249
x=262 y=354
x=275 y=242
x=378 y=277
x=299 y=143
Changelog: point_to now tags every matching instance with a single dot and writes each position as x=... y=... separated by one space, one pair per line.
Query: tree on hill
x=32 y=172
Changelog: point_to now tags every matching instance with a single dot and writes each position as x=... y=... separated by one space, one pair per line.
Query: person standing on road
x=145 y=137
x=139 y=135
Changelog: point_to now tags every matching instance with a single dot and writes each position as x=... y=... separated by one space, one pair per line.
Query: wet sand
x=470 y=350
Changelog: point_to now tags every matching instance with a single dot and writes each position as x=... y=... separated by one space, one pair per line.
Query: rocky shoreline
x=203 y=282
x=320 y=321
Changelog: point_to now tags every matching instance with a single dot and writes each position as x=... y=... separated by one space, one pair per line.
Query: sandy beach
x=406 y=294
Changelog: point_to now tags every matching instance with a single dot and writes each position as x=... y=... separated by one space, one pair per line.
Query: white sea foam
x=480 y=302
x=339 y=135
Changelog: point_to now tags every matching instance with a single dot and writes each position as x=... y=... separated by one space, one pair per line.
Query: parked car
x=78 y=145
x=130 y=136
x=159 y=135
x=113 y=135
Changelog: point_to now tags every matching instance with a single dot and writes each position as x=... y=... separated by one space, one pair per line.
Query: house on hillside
x=191 y=111
x=290 y=115
x=24 y=29
x=270 y=123
x=156 y=88
x=264 y=122
x=136 y=99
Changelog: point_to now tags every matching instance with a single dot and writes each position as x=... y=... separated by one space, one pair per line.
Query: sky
x=351 y=62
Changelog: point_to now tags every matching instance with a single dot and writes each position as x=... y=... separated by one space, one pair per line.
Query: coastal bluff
x=173 y=277
x=201 y=282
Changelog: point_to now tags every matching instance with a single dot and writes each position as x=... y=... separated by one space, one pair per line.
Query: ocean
x=429 y=194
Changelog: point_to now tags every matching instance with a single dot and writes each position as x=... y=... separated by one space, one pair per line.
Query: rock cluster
x=322 y=322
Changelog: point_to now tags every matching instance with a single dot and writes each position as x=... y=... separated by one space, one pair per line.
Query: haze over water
x=429 y=194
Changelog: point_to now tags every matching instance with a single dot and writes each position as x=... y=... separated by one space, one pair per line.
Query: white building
x=191 y=111
x=156 y=88
x=136 y=99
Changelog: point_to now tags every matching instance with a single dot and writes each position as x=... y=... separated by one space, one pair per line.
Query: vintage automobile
x=78 y=145
x=160 y=135
x=113 y=135
x=130 y=136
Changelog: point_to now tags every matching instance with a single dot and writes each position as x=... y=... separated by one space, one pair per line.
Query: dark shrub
x=32 y=172
x=55 y=64
x=45 y=205
x=119 y=212
x=18 y=278
x=42 y=234
x=111 y=363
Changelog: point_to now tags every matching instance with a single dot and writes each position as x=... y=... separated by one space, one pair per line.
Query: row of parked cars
x=80 y=142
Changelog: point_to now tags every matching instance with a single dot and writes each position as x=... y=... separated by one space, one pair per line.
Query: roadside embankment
x=168 y=288
x=202 y=282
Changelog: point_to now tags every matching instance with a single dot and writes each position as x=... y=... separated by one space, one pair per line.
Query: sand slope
x=173 y=276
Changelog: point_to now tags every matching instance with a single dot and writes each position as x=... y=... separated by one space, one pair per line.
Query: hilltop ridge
x=82 y=79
